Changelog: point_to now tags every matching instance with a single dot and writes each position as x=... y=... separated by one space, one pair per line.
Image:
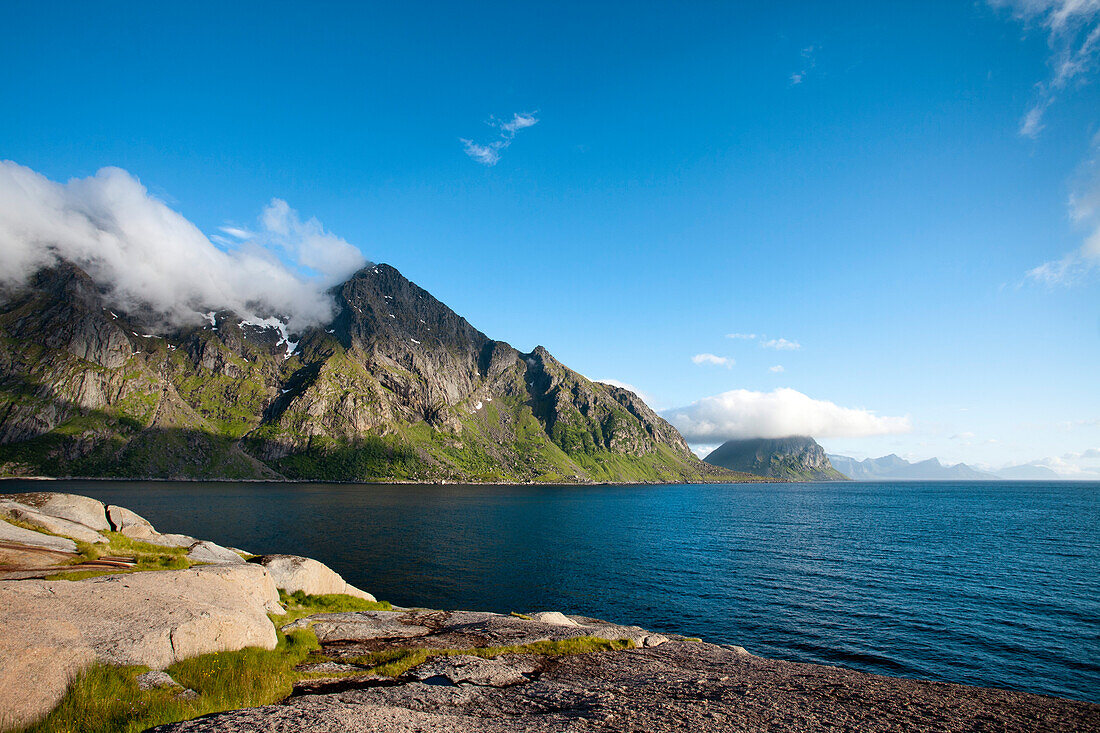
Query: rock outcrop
x=461 y=629
x=51 y=630
x=10 y=533
x=54 y=525
x=214 y=554
x=676 y=686
x=293 y=573
x=72 y=507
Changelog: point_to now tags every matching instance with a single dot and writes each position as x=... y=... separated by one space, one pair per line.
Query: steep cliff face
x=398 y=386
x=797 y=458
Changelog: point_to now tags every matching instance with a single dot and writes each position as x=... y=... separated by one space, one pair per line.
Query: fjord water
x=993 y=584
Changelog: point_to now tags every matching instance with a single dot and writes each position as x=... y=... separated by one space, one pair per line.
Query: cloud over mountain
x=146 y=254
x=781 y=413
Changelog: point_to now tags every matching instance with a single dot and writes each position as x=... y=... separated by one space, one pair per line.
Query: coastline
x=480 y=671
x=761 y=480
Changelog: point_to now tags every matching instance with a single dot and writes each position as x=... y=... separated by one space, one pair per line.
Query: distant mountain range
x=797 y=458
x=893 y=467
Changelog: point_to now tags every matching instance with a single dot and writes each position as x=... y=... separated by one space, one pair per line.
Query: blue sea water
x=986 y=583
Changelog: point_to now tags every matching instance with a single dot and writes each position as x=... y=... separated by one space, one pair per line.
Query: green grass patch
x=395 y=662
x=106 y=699
x=299 y=605
x=147 y=556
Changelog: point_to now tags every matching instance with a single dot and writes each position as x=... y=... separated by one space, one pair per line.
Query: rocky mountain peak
x=397 y=386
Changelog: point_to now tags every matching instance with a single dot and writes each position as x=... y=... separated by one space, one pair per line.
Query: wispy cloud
x=724 y=361
x=777 y=369
x=1084 y=206
x=781 y=344
x=489 y=153
x=742 y=336
x=783 y=412
x=1073 y=34
x=808 y=63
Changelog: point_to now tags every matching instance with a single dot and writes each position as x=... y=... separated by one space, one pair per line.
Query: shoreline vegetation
x=186 y=635
x=438 y=482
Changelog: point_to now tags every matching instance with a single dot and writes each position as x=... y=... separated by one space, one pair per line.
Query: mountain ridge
x=396 y=387
x=894 y=467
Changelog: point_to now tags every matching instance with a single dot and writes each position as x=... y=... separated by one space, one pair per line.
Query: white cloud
x=1072 y=28
x=519 y=121
x=742 y=336
x=781 y=345
x=626 y=385
x=146 y=254
x=777 y=369
x=1084 y=207
x=489 y=154
x=715 y=360
x=963 y=436
x=484 y=154
x=1073 y=34
x=808 y=63
x=783 y=412
x=1032 y=123
x=237 y=232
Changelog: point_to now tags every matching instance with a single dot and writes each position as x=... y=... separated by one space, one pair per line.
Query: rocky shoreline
x=396 y=669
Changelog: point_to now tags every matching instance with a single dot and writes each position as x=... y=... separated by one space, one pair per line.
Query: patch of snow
x=415 y=341
x=392 y=316
x=275 y=323
x=388 y=297
x=422 y=320
x=113 y=314
x=478 y=405
x=148 y=335
x=330 y=330
x=210 y=317
x=488 y=399
x=283 y=391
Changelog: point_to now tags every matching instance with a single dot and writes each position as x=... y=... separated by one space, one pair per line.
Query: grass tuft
x=106 y=699
x=395 y=662
x=299 y=605
x=147 y=556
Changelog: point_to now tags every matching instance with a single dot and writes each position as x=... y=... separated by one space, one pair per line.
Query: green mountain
x=798 y=458
x=396 y=387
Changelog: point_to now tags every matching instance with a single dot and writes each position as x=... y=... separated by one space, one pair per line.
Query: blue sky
x=859 y=179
